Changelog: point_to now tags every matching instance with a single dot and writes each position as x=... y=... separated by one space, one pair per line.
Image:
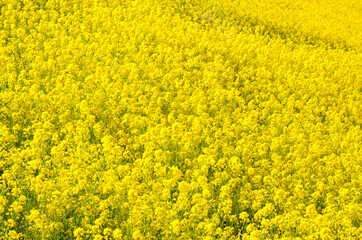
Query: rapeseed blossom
x=188 y=119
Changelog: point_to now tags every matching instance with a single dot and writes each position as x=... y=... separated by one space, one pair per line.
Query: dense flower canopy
x=183 y=119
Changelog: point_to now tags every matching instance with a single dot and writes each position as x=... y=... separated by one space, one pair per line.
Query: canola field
x=180 y=119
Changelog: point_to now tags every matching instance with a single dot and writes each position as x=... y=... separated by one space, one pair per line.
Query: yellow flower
x=185 y=119
x=98 y=237
x=14 y=235
x=78 y=233
x=326 y=233
x=117 y=234
x=137 y=235
x=176 y=227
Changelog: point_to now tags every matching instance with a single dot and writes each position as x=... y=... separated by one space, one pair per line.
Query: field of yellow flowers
x=180 y=119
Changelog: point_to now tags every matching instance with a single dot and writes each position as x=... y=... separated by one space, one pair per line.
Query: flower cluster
x=187 y=119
